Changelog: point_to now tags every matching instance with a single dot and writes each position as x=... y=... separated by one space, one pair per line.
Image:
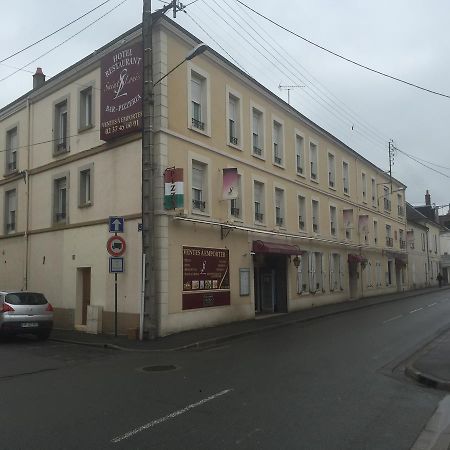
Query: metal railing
x=198 y=124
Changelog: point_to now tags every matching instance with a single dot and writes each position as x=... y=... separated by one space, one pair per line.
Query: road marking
x=168 y=417
x=431 y=304
x=415 y=310
x=393 y=318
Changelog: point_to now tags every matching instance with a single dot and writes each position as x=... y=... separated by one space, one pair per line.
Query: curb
x=211 y=342
x=426 y=379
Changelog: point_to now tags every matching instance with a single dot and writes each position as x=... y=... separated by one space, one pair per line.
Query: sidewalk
x=207 y=337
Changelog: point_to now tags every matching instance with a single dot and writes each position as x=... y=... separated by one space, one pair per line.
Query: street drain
x=160 y=368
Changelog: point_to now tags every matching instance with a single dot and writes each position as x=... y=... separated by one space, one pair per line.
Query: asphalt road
x=333 y=383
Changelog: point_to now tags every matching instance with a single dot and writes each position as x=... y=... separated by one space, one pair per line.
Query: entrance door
x=353 y=279
x=267 y=290
x=398 y=277
x=85 y=293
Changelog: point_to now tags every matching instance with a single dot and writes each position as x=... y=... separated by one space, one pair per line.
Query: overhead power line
x=63 y=42
x=54 y=32
x=343 y=57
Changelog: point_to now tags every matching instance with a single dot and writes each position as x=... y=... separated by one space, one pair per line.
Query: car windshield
x=25 y=298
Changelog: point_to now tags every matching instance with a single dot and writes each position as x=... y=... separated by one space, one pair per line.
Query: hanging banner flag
x=230 y=184
x=173 y=188
x=410 y=236
x=348 y=218
x=363 y=223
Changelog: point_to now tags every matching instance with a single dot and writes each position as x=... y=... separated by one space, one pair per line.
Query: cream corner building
x=314 y=223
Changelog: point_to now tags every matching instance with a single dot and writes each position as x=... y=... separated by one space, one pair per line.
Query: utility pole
x=288 y=89
x=151 y=314
x=391 y=160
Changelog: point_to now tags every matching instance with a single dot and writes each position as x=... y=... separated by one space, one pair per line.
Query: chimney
x=427 y=198
x=38 y=79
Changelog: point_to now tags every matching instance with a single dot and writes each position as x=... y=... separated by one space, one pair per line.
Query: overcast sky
x=408 y=39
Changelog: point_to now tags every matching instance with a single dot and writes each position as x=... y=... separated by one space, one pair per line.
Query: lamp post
x=150 y=314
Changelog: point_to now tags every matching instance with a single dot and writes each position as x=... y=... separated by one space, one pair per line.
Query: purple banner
x=121 y=92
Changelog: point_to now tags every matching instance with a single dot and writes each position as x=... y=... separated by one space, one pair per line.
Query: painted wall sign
x=121 y=92
x=206 y=277
x=173 y=188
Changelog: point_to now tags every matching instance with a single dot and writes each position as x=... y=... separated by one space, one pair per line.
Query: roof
x=96 y=54
x=413 y=214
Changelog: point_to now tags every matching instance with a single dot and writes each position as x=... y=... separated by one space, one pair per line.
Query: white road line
x=168 y=417
x=431 y=304
x=393 y=318
x=415 y=310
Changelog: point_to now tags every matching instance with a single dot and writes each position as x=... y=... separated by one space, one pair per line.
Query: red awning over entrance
x=352 y=257
x=275 y=248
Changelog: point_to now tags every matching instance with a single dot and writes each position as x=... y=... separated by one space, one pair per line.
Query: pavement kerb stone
x=426 y=379
x=210 y=342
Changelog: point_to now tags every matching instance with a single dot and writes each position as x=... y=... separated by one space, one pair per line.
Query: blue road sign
x=116 y=265
x=116 y=224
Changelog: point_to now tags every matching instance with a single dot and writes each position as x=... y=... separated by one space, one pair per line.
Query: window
x=236 y=203
x=401 y=209
x=347 y=215
x=277 y=137
x=85 y=186
x=60 y=200
x=389 y=240
x=374 y=192
x=10 y=211
x=313 y=160
x=435 y=244
x=257 y=132
x=198 y=102
x=279 y=207
x=378 y=273
x=61 y=128
x=315 y=216
x=345 y=179
x=11 y=150
x=198 y=186
x=402 y=239
x=331 y=171
x=299 y=154
x=369 y=274
x=86 y=108
x=336 y=272
x=258 y=193
x=234 y=119
x=386 y=199
x=303 y=274
x=375 y=232
x=422 y=236
x=316 y=272
x=364 y=187
x=333 y=221
x=301 y=213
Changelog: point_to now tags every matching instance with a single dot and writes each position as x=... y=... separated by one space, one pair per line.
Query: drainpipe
x=28 y=191
x=428 y=260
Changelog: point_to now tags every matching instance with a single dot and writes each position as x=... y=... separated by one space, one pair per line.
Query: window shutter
x=197 y=177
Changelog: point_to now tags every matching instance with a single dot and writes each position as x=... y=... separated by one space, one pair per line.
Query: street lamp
x=197 y=50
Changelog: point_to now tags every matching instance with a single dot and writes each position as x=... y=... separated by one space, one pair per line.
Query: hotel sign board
x=121 y=92
x=206 y=277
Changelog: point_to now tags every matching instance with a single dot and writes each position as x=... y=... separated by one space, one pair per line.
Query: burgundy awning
x=353 y=257
x=275 y=248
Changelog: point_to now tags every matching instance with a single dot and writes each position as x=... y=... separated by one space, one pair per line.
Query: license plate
x=30 y=324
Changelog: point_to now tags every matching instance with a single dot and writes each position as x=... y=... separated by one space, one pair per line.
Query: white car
x=25 y=312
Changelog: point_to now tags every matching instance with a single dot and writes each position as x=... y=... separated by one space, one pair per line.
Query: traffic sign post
x=116 y=245
x=116 y=224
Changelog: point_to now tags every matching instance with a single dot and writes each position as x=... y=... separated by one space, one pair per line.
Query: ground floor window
x=369 y=274
x=336 y=272
x=303 y=274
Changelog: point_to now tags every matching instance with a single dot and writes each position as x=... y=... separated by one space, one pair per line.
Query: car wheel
x=43 y=335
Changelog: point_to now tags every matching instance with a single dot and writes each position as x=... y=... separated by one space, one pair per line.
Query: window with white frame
x=303 y=274
x=331 y=170
x=12 y=144
x=279 y=207
x=315 y=216
x=336 y=272
x=198 y=101
x=300 y=154
x=374 y=192
x=400 y=207
x=85 y=186
x=277 y=137
x=199 y=185
x=234 y=114
x=258 y=196
x=364 y=187
x=422 y=238
x=345 y=177
x=313 y=158
x=386 y=199
x=60 y=200
x=301 y=213
x=401 y=237
x=61 y=127
x=316 y=271
x=10 y=211
x=369 y=273
x=236 y=203
x=389 y=240
x=86 y=120
x=375 y=232
x=378 y=273
x=333 y=221
x=257 y=132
